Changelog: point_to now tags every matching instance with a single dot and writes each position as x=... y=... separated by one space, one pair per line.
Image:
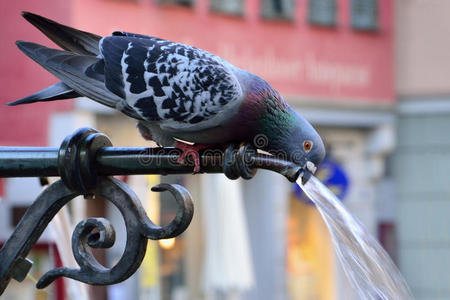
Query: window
x=364 y=14
x=180 y=2
x=278 y=9
x=232 y=7
x=322 y=12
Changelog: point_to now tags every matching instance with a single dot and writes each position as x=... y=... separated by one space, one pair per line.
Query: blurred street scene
x=373 y=76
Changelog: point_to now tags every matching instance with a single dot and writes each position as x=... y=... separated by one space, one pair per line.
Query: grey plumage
x=168 y=82
x=72 y=69
x=68 y=38
x=150 y=79
x=57 y=91
x=175 y=91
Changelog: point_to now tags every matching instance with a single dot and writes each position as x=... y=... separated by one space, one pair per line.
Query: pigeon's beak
x=303 y=171
x=310 y=166
x=307 y=171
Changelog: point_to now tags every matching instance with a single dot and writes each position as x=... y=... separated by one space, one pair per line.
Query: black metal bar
x=286 y=168
x=28 y=162
x=127 y=161
x=40 y=162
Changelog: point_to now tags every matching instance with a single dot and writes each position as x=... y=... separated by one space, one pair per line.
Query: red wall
x=20 y=76
x=295 y=57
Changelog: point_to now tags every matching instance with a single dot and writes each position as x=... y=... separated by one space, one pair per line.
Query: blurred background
x=371 y=75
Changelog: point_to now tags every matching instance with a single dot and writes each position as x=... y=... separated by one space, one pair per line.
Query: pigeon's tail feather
x=79 y=72
x=58 y=91
x=66 y=37
x=71 y=70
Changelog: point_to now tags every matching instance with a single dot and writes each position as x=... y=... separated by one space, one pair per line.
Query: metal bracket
x=84 y=161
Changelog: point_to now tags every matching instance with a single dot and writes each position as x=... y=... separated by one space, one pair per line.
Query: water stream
x=369 y=268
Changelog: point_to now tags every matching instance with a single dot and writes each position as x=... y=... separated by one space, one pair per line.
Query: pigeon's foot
x=190 y=150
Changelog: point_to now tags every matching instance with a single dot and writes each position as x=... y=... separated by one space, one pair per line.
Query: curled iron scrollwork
x=139 y=228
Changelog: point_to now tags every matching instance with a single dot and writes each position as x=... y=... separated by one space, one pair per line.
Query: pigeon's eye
x=307 y=145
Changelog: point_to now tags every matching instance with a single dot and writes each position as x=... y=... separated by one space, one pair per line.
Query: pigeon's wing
x=179 y=86
x=135 y=35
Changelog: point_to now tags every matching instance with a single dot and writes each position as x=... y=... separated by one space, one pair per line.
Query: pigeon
x=180 y=95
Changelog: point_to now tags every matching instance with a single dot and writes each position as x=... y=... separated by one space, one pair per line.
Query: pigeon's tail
x=81 y=75
x=73 y=70
x=68 y=38
x=58 y=91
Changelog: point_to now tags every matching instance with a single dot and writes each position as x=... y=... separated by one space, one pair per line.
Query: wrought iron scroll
x=84 y=161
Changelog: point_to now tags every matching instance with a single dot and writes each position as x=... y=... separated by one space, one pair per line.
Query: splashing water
x=369 y=268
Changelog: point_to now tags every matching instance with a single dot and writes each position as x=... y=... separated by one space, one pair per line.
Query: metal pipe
x=127 y=161
x=28 y=162
x=43 y=161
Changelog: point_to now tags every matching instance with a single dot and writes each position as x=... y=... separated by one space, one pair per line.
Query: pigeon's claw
x=190 y=150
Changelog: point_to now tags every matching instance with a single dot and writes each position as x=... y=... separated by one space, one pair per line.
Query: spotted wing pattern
x=166 y=81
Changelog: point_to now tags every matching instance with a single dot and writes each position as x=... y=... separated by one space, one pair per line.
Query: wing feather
x=182 y=87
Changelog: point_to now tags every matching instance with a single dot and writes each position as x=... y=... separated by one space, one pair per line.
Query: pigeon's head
x=305 y=147
x=293 y=138
x=279 y=129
